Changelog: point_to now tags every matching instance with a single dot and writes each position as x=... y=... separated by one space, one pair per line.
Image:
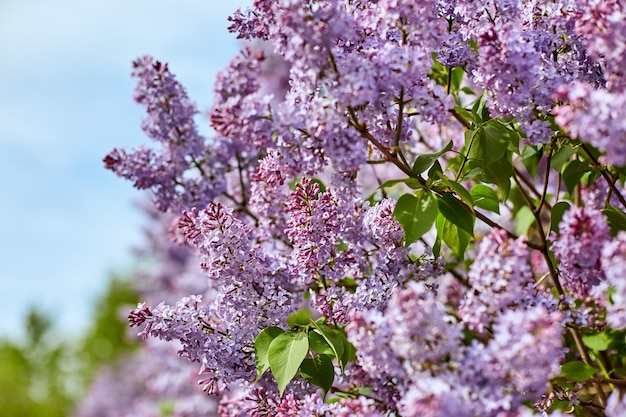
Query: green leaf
x=466 y=114
x=468 y=90
x=480 y=109
x=597 y=342
x=319 y=371
x=300 y=318
x=557 y=214
x=456 y=239
x=572 y=174
x=437 y=247
x=524 y=218
x=616 y=219
x=494 y=141
x=261 y=347
x=472 y=174
x=318 y=344
x=341 y=247
x=461 y=191
x=500 y=173
x=439 y=73
x=416 y=214
x=577 y=371
x=424 y=161
x=457 y=77
x=454 y=210
x=485 y=198
x=348 y=283
x=326 y=333
x=349 y=352
x=531 y=156
x=286 y=353
x=337 y=340
x=561 y=156
x=167 y=407
x=435 y=172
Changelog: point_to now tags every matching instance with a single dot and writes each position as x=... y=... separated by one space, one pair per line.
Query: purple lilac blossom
x=596 y=116
x=240 y=112
x=269 y=194
x=154 y=379
x=513 y=366
x=517 y=364
x=433 y=397
x=314 y=221
x=145 y=385
x=600 y=25
x=250 y=295
x=578 y=246
x=185 y=170
x=616 y=405
x=614 y=264
x=526 y=50
x=498 y=277
x=489 y=384
x=415 y=335
x=359 y=68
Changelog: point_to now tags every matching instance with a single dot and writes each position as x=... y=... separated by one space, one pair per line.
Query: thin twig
x=604 y=174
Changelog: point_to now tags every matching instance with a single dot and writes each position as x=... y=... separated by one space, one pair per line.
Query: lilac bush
x=407 y=208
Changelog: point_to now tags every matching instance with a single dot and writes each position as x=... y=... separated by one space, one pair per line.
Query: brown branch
x=621 y=382
x=604 y=174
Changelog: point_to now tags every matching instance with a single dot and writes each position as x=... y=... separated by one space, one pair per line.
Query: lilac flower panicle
x=517 y=364
x=414 y=336
x=433 y=397
x=142 y=383
x=314 y=224
x=497 y=277
x=578 y=247
x=595 y=116
x=531 y=349
x=385 y=229
x=177 y=173
x=614 y=264
x=224 y=242
x=600 y=24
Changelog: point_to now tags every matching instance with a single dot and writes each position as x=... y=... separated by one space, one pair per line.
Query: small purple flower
x=578 y=246
x=614 y=264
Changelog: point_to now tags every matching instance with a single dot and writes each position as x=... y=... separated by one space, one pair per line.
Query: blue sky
x=65 y=101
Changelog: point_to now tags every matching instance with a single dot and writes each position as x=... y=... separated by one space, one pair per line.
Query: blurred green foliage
x=44 y=374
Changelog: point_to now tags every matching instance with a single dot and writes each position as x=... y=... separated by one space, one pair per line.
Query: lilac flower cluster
x=314 y=221
x=271 y=212
x=614 y=264
x=149 y=383
x=578 y=246
x=498 y=277
x=595 y=116
x=180 y=173
x=268 y=194
x=153 y=379
x=418 y=344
